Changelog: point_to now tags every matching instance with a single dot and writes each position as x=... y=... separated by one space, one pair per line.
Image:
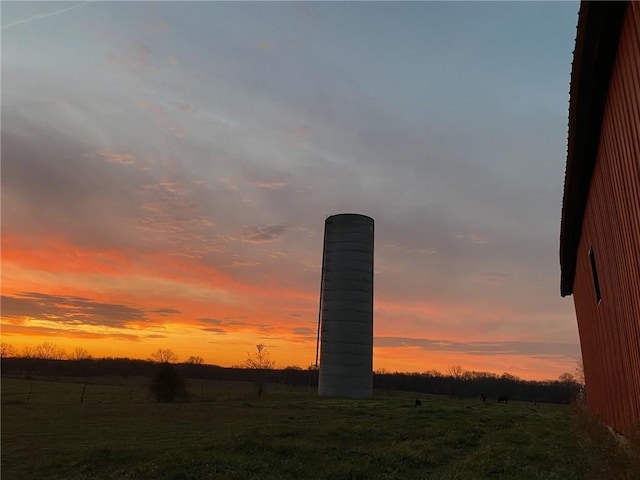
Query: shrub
x=168 y=385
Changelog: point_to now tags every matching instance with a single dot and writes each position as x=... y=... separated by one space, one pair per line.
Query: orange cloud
x=98 y=298
x=55 y=254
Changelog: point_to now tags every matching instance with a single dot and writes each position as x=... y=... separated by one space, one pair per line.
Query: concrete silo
x=346 y=308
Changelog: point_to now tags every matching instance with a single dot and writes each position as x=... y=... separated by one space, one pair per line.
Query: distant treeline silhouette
x=466 y=385
x=474 y=384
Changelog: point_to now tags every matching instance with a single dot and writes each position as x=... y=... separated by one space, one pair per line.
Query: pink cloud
x=138 y=57
x=111 y=156
x=272 y=185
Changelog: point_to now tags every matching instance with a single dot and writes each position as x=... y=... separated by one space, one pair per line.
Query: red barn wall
x=610 y=331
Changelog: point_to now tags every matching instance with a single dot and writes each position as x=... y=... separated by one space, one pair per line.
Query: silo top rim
x=348 y=217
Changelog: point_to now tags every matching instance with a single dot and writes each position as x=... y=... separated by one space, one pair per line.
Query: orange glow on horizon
x=232 y=349
x=195 y=309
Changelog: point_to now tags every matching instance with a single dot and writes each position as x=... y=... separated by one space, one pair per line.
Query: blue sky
x=185 y=155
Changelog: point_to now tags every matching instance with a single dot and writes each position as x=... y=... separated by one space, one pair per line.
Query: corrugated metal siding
x=610 y=331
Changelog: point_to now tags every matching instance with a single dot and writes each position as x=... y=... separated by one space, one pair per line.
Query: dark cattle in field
x=418 y=402
x=503 y=399
x=483 y=397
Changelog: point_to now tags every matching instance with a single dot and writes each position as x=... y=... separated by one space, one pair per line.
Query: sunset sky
x=167 y=168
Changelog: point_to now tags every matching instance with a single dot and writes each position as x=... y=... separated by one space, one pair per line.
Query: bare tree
x=49 y=351
x=455 y=371
x=164 y=355
x=259 y=361
x=29 y=352
x=80 y=354
x=195 y=360
x=509 y=377
x=567 y=377
x=580 y=371
x=7 y=350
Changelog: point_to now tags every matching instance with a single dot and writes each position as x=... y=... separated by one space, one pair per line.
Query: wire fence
x=24 y=391
x=40 y=392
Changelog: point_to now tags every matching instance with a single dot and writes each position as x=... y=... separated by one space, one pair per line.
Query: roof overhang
x=599 y=25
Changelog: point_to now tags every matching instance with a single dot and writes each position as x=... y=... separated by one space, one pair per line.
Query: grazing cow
x=503 y=399
x=418 y=402
x=483 y=397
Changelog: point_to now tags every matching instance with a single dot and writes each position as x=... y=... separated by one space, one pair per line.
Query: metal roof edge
x=598 y=32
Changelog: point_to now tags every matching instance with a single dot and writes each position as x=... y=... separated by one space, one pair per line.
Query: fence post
x=82 y=394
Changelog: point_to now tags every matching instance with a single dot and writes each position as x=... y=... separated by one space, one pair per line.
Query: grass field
x=226 y=433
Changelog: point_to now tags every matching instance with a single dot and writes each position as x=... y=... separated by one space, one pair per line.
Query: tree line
x=50 y=351
x=471 y=384
x=49 y=360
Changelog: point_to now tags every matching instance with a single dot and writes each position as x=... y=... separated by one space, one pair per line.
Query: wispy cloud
x=543 y=349
x=162 y=118
x=303 y=331
x=263 y=233
x=74 y=310
x=138 y=56
x=223 y=322
x=165 y=311
x=244 y=264
x=74 y=333
x=271 y=185
x=218 y=330
x=199 y=178
x=231 y=325
x=41 y=16
x=473 y=237
x=110 y=156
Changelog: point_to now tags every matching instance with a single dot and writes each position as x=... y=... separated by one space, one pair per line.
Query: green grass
x=117 y=434
x=611 y=457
